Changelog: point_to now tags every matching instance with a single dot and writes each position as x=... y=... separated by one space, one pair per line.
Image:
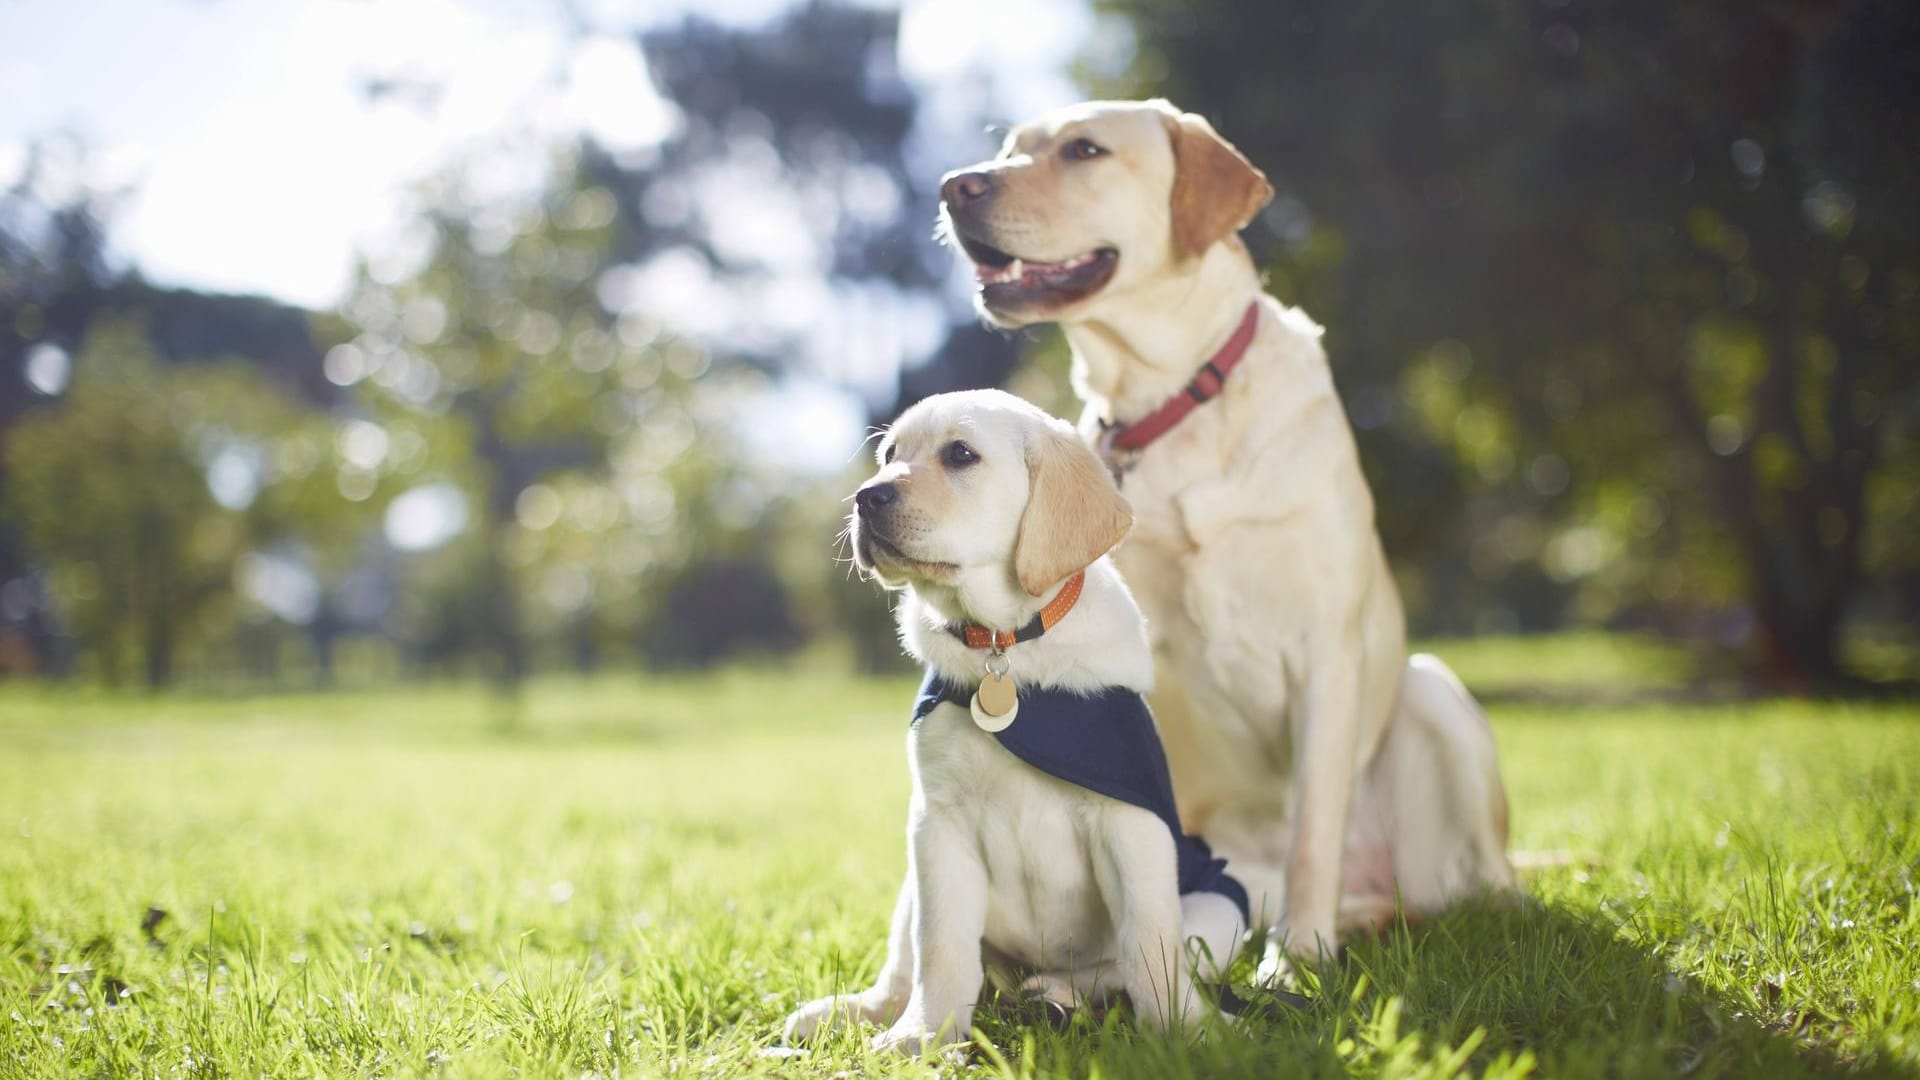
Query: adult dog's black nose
x=963 y=187
x=875 y=497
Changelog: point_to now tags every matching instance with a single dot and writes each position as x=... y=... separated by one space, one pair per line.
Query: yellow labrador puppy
x=1333 y=771
x=1042 y=833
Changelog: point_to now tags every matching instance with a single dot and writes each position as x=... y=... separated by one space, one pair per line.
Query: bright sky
x=258 y=165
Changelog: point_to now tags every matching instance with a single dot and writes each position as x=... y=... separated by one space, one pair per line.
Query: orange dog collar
x=979 y=637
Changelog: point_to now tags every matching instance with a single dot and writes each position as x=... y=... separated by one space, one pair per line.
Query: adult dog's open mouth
x=1008 y=281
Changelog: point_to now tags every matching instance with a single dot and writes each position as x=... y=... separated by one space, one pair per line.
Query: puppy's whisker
x=861 y=448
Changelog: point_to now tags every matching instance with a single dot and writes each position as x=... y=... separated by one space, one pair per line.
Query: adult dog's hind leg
x=1448 y=815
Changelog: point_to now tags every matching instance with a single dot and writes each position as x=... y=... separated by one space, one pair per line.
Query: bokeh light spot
x=48 y=368
x=426 y=517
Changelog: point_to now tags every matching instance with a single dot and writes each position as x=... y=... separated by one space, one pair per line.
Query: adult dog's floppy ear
x=1216 y=190
x=1074 y=515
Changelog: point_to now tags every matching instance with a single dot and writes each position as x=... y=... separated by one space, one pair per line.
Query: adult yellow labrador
x=1334 y=772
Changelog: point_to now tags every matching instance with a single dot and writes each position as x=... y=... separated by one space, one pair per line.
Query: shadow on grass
x=1564 y=985
x=1499 y=991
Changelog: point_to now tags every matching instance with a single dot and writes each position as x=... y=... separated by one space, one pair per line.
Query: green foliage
x=110 y=490
x=1645 y=275
x=580 y=439
x=650 y=874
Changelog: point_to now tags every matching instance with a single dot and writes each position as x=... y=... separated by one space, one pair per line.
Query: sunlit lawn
x=647 y=876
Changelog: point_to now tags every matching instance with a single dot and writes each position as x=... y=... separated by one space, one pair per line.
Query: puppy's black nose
x=961 y=188
x=875 y=497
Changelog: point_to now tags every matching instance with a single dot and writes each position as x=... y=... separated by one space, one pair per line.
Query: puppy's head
x=983 y=483
x=1087 y=200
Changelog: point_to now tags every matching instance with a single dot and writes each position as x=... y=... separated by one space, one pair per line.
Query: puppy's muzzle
x=874 y=500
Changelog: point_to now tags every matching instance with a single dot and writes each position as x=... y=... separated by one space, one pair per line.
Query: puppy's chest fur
x=1038 y=837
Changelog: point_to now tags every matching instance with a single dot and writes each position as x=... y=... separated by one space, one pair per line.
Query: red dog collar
x=1205 y=385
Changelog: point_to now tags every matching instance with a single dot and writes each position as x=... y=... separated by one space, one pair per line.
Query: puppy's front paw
x=910 y=1037
x=1287 y=948
x=1276 y=967
x=824 y=1014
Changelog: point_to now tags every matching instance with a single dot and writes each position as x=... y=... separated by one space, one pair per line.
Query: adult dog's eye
x=886 y=456
x=1082 y=150
x=958 y=455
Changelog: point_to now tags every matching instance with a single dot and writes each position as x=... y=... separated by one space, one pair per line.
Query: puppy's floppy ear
x=1074 y=515
x=1216 y=190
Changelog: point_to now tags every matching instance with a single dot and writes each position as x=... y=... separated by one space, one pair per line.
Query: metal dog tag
x=996 y=701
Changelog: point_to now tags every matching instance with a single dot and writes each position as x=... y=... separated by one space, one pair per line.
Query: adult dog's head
x=1088 y=200
x=983 y=490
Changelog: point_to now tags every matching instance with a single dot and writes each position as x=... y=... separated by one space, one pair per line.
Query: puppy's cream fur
x=1340 y=777
x=1007 y=864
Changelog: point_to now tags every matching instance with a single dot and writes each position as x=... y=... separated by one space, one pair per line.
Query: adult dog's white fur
x=1335 y=773
x=1006 y=863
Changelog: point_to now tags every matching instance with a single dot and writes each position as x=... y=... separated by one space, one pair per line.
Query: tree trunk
x=322 y=633
x=500 y=599
x=585 y=645
x=159 y=649
x=503 y=616
x=1804 y=529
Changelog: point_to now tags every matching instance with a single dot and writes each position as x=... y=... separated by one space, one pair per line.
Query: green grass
x=647 y=876
x=1577 y=663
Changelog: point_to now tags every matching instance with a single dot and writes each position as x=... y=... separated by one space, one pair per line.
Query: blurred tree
x=683 y=632
x=792 y=207
x=496 y=326
x=576 y=350
x=57 y=281
x=599 y=336
x=1608 y=257
x=143 y=488
x=784 y=224
x=107 y=492
x=53 y=268
x=53 y=257
x=596 y=447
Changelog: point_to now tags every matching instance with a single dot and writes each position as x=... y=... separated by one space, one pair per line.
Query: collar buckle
x=1118 y=439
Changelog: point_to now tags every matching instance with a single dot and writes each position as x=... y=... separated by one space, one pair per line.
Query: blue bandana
x=1106 y=743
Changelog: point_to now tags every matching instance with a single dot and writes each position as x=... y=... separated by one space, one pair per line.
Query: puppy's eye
x=886 y=456
x=958 y=455
x=1082 y=150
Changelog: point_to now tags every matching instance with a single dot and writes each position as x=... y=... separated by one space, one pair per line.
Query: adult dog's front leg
x=949 y=920
x=880 y=1003
x=1326 y=735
